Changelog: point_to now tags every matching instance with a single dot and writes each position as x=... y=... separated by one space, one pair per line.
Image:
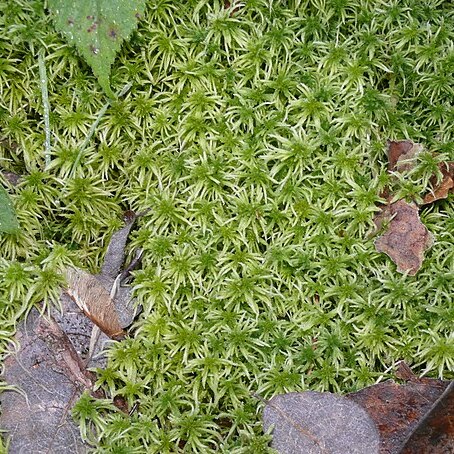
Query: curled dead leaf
x=95 y=301
x=406 y=238
x=115 y=253
x=444 y=187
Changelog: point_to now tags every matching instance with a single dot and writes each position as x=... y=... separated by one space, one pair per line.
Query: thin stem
x=45 y=97
x=95 y=125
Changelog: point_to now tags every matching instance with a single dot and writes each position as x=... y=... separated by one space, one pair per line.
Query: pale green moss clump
x=255 y=134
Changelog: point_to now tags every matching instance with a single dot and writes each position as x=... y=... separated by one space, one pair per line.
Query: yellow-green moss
x=256 y=136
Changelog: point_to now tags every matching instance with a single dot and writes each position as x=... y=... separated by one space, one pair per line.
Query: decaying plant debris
x=405 y=238
x=50 y=369
x=441 y=189
x=386 y=418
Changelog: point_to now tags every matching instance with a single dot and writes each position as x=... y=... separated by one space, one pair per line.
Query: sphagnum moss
x=256 y=134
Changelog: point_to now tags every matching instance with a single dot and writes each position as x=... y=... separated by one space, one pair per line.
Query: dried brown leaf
x=382 y=217
x=405 y=373
x=406 y=237
x=435 y=432
x=95 y=301
x=78 y=326
x=413 y=418
x=416 y=417
x=402 y=155
x=444 y=187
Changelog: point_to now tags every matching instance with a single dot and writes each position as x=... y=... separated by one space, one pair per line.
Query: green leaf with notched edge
x=97 y=28
x=8 y=221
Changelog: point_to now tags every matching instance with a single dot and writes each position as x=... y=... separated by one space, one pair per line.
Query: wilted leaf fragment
x=421 y=410
x=94 y=300
x=444 y=187
x=316 y=423
x=402 y=155
x=97 y=28
x=8 y=221
x=435 y=433
x=406 y=237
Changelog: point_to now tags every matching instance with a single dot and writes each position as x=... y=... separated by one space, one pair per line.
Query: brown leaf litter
x=416 y=417
x=405 y=238
x=50 y=369
x=441 y=189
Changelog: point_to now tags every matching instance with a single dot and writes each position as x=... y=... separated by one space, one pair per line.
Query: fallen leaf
x=115 y=254
x=444 y=187
x=406 y=237
x=416 y=417
x=100 y=296
x=50 y=377
x=97 y=28
x=78 y=326
x=8 y=221
x=435 y=433
x=50 y=368
x=405 y=373
x=95 y=301
x=402 y=155
x=382 y=217
x=314 y=423
x=403 y=414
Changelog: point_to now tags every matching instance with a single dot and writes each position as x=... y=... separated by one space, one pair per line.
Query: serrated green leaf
x=97 y=28
x=8 y=221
